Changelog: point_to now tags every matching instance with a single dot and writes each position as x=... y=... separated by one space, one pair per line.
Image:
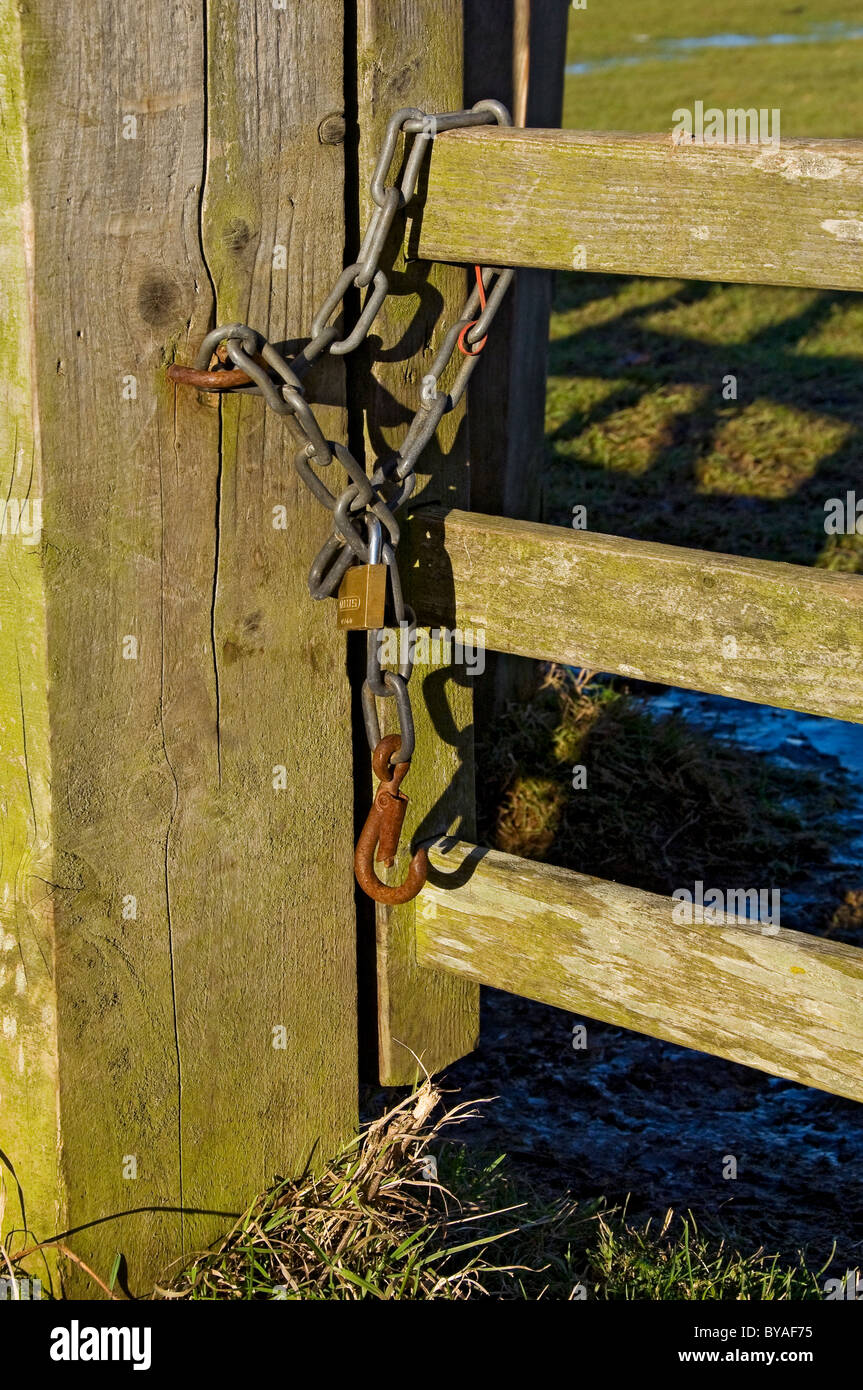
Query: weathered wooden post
x=420 y=1013
x=440 y=55
x=515 y=51
x=177 y=988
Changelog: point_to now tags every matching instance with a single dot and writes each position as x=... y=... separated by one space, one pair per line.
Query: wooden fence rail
x=641 y=205
x=789 y=1004
x=758 y=630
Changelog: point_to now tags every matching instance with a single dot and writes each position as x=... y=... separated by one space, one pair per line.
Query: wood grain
x=28 y=1041
x=757 y=630
x=116 y=260
x=264 y=918
x=506 y=399
x=640 y=205
x=165 y=163
x=417 y=62
x=788 y=1004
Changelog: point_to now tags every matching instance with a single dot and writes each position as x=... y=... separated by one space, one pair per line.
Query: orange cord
x=478 y=347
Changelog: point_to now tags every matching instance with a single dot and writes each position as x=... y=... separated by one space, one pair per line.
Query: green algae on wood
x=757 y=630
x=780 y=1001
x=28 y=1046
x=790 y=214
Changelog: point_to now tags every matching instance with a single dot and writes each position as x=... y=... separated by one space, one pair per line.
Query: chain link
x=367 y=502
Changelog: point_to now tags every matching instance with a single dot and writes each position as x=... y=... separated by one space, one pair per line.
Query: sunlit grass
x=768 y=450
x=618 y=26
x=704 y=809
x=641 y=429
x=407 y=1212
x=641 y=433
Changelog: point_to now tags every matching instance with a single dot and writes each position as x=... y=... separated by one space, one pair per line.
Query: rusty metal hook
x=379 y=838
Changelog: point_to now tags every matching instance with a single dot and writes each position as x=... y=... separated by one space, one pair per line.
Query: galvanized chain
x=365 y=510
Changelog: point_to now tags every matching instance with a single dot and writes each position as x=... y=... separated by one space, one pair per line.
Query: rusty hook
x=379 y=838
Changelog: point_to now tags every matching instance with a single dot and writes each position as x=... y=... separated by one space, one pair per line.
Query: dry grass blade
x=370 y=1226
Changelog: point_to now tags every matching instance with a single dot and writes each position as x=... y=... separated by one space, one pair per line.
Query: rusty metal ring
x=219 y=380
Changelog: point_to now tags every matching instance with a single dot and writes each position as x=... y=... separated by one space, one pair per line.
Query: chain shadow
x=451 y=817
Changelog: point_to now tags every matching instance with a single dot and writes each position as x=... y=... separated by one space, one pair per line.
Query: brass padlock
x=363 y=591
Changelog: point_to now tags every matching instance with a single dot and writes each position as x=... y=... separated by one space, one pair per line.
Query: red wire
x=477 y=347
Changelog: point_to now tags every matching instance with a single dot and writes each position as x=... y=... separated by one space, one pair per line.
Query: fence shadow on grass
x=789 y=442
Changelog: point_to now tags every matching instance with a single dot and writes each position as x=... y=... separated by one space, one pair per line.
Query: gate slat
x=788 y=1004
x=790 y=214
x=757 y=630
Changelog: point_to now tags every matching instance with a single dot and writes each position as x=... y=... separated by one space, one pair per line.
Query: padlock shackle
x=376 y=539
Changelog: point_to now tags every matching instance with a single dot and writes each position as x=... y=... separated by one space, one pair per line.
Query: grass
x=678 y=1262
x=704 y=809
x=816 y=86
x=603 y=31
x=638 y=429
x=406 y=1212
x=369 y=1226
x=639 y=434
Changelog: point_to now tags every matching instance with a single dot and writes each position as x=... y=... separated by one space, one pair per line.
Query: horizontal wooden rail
x=771 y=633
x=788 y=1004
x=640 y=205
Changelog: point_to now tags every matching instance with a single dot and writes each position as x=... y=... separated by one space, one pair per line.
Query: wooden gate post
x=417 y=62
x=441 y=55
x=515 y=50
x=178 y=953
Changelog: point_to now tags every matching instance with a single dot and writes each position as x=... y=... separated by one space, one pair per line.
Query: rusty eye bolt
x=379 y=838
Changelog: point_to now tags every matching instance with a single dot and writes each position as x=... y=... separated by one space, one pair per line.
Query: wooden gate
x=778 y=634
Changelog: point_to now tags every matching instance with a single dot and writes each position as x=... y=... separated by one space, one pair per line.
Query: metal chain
x=367 y=502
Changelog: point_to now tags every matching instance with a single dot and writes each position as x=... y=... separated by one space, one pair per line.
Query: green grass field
x=638 y=430
x=379 y=1224
x=816 y=85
